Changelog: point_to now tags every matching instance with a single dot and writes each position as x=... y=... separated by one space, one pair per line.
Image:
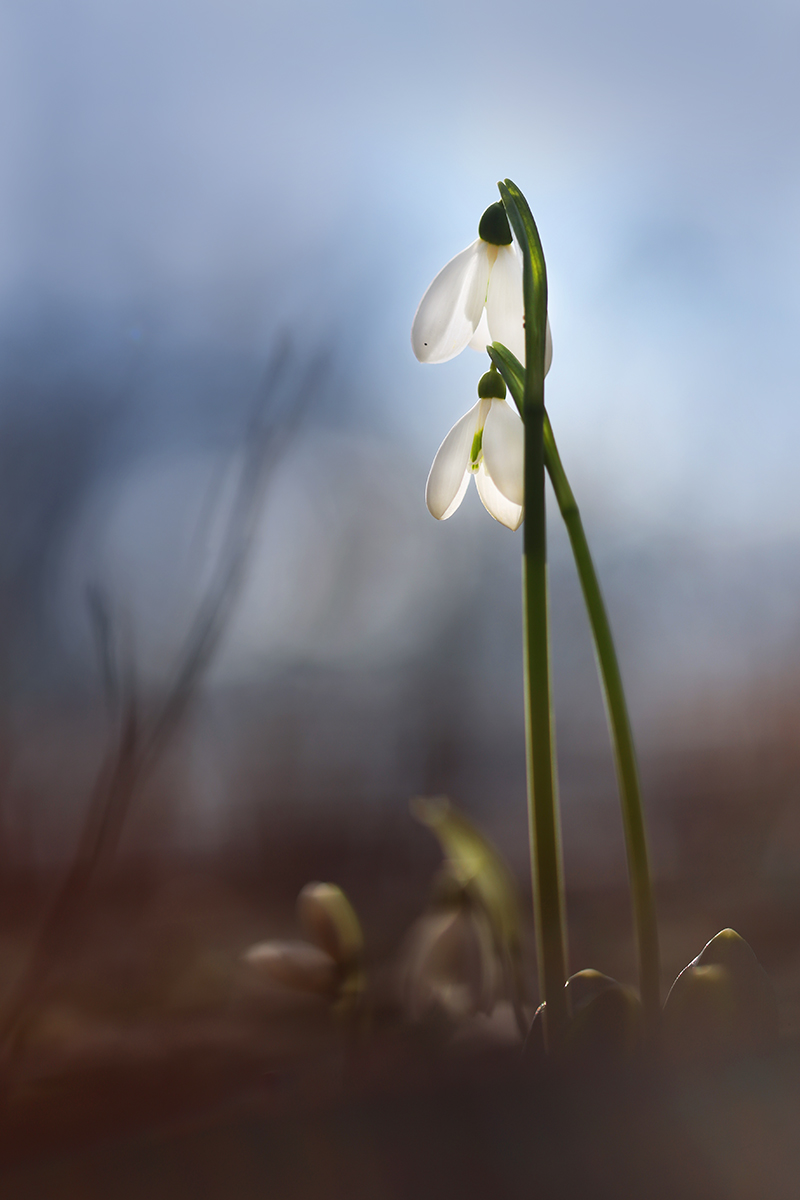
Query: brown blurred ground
x=151 y=1064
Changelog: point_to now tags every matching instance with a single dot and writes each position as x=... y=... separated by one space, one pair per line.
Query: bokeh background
x=187 y=184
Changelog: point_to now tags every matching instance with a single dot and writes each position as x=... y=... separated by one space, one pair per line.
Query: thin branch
x=282 y=403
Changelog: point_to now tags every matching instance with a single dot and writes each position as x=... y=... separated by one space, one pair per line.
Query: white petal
x=449 y=475
x=504 y=307
x=504 y=451
x=495 y=503
x=450 y=310
x=294 y=964
x=481 y=337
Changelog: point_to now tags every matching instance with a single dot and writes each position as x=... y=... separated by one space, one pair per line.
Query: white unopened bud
x=294 y=965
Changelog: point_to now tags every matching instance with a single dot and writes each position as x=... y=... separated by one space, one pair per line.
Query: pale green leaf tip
x=429 y=810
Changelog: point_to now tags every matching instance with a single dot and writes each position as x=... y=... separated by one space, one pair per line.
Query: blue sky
x=198 y=173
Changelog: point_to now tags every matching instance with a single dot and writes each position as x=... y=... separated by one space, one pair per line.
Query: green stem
x=548 y=889
x=644 y=911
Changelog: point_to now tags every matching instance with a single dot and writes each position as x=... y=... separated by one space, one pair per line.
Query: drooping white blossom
x=476 y=299
x=330 y=963
x=487 y=444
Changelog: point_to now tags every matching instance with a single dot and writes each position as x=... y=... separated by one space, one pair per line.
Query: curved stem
x=546 y=871
x=644 y=910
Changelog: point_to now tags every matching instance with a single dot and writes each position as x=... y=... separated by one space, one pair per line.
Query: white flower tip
x=495 y=503
x=433 y=497
x=294 y=965
x=511 y=520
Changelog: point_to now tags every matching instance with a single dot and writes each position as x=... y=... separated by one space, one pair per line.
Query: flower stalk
x=643 y=902
x=486 y=295
x=546 y=868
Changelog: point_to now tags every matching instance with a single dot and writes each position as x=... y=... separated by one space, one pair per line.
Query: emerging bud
x=722 y=1003
x=606 y=1018
x=605 y=1022
x=329 y=920
x=294 y=965
x=494 y=227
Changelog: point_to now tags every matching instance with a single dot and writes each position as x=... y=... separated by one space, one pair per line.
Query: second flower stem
x=549 y=907
x=644 y=912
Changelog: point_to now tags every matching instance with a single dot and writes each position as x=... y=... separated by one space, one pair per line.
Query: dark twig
x=99 y=610
x=281 y=405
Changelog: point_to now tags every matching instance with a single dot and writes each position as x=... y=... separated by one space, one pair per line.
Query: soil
x=151 y=1065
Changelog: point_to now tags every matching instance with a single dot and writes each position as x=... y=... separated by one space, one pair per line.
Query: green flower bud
x=491 y=386
x=494 y=227
x=583 y=986
x=605 y=1022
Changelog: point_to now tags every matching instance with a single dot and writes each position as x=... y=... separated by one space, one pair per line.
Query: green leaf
x=478 y=867
x=512 y=371
x=534 y=288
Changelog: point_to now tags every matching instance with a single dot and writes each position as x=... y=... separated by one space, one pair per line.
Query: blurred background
x=186 y=187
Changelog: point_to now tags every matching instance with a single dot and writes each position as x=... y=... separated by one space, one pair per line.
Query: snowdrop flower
x=329 y=964
x=476 y=299
x=489 y=445
x=451 y=964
